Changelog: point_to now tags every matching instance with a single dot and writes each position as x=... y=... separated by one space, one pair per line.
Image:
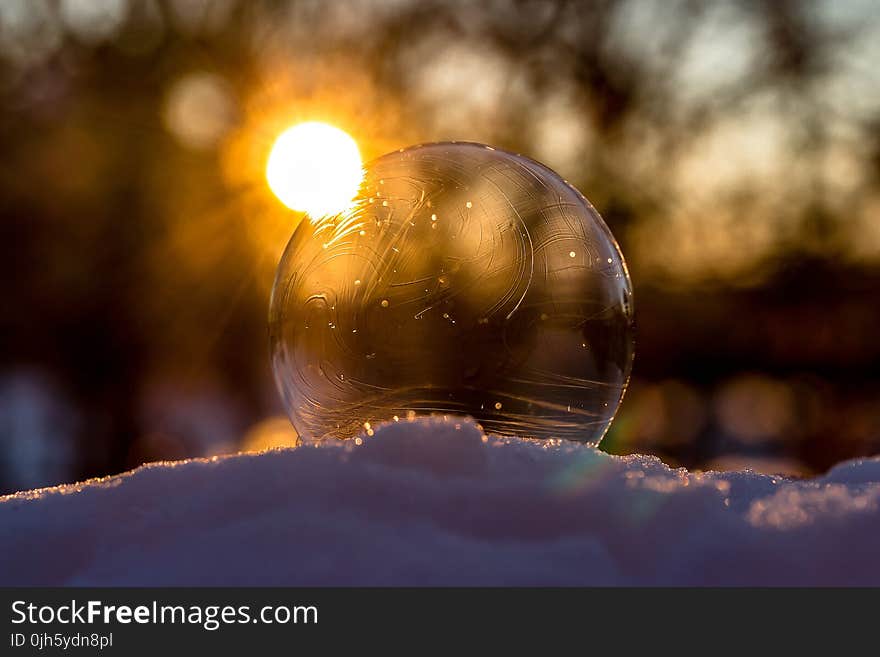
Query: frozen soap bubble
x=463 y=280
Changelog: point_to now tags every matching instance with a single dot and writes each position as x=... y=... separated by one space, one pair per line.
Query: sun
x=315 y=168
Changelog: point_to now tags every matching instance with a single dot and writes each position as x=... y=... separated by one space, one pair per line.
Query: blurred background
x=733 y=148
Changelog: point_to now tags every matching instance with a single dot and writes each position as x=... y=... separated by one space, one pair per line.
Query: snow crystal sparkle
x=463 y=279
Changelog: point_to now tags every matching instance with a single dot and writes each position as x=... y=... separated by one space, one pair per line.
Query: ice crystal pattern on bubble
x=463 y=279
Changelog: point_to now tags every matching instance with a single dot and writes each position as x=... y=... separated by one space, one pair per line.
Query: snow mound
x=435 y=502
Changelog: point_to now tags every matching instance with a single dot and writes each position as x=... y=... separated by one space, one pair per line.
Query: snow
x=435 y=502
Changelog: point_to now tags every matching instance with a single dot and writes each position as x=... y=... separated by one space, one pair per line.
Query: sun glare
x=315 y=168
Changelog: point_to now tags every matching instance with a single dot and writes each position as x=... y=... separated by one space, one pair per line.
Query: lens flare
x=315 y=168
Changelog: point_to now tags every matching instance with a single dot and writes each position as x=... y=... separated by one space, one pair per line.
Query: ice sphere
x=462 y=280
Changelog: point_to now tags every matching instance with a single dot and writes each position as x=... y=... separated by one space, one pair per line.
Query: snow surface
x=436 y=502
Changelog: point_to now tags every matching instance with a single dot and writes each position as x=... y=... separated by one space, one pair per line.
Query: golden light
x=270 y=433
x=315 y=168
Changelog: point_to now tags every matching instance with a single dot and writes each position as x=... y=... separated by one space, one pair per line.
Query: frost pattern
x=463 y=280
